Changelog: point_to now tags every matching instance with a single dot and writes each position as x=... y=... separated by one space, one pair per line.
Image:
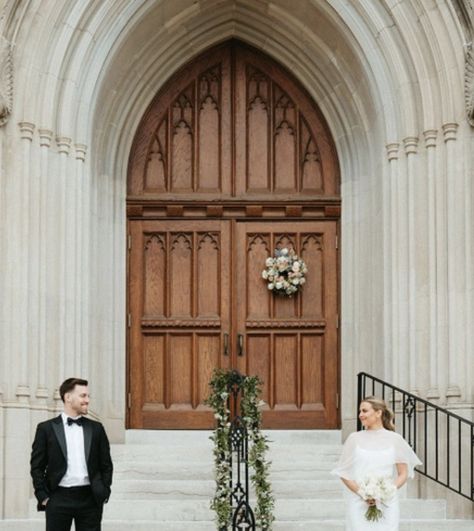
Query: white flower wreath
x=284 y=272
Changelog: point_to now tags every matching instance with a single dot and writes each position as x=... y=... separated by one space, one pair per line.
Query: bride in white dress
x=377 y=451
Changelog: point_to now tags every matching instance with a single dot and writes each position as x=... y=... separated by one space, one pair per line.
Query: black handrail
x=431 y=431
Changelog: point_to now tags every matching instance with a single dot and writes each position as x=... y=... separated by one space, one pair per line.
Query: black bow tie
x=77 y=421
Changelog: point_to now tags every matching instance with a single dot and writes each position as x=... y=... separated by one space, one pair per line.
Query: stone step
x=150 y=452
x=163 y=481
x=37 y=524
x=309 y=509
x=167 y=489
x=165 y=471
x=193 y=438
x=339 y=525
x=156 y=489
x=192 y=469
x=285 y=510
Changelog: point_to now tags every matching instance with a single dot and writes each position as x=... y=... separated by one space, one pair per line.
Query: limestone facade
x=394 y=79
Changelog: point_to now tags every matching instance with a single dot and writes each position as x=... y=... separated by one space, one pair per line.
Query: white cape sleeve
x=405 y=454
x=345 y=466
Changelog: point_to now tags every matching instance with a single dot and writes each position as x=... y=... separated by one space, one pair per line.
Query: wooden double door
x=231 y=160
x=197 y=301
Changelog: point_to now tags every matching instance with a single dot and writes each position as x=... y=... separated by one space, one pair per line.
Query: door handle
x=240 y=344
x=226 y=344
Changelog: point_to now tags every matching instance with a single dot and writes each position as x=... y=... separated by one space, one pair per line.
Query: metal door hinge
x=337 y=400
x=337 y=321
x=129 y=320
x=129 y=400
x=337 y=242
x=129 y=241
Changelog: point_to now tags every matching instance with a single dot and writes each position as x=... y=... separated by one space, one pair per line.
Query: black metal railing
x=442 y=440
x=242 y=514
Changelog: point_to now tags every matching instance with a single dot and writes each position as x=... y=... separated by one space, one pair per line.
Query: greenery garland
x=221 y=386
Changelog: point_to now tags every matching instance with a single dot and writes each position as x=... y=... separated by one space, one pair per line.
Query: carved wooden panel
x=276 y=135
x=233 y=123
x=290 y=342
x=186 y=292
x=179 y=302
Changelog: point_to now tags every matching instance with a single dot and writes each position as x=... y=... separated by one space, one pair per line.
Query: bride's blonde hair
x=387 y=414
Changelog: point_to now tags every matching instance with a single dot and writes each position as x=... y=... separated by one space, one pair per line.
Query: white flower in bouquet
x=379 y=489
x=284 y=272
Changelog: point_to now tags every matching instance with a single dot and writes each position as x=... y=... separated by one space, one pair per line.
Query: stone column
x=64 y=354
x=430 y=143
x=403 y=251
x=469 y=258
x=411 y=150
x=3 y=313
x=20 y=259
x=455 y=259
x=350 y=362
x=46 y=351
x=35 y=238
x=17 y=410
x=393 y=296
x=81 y=285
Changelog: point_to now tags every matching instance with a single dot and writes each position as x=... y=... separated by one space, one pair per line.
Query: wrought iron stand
x=243 y=518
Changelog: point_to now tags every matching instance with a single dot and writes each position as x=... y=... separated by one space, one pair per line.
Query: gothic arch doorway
x=231 y=160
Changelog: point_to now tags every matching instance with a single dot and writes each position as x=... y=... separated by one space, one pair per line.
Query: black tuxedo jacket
x=49 y=459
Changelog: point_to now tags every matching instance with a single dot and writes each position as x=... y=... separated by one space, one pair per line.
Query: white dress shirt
x=76 y=474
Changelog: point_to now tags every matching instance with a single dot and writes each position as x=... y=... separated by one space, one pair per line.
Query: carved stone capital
x=410 y=143
x=45 y=137
x=26 y=130
x=6 y=80
x=430 y=137
x=64 y=144
x=23 y=393
x=433 y=394
x=449 y=131
x=81 y=150
x=392 y=151
x=42 y=393
x=453 y=393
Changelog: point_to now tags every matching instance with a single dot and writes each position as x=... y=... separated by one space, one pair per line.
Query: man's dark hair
x=68 y=385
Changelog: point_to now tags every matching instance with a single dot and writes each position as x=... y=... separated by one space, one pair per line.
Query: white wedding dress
x=372 y=453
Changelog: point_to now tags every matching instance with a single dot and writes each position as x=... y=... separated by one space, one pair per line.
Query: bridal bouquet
x=380 y=489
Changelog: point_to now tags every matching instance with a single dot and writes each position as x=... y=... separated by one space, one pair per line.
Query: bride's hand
x=370 y=502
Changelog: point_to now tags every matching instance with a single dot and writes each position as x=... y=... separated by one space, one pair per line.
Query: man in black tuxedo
x=71 y=465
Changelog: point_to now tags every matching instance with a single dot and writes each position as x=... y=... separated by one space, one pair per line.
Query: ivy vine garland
x=221 y=385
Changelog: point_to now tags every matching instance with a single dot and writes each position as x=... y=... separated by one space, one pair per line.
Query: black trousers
x=74 y=503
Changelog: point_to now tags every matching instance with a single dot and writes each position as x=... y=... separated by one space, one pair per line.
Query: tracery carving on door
x=233 y=124
x=231 y=160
